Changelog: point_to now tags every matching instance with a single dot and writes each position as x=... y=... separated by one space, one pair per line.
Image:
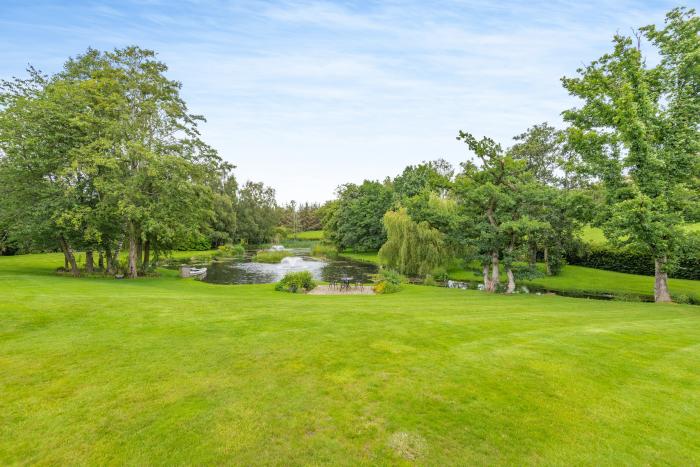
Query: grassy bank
x=595 y=235
x=579 y=279
x=175 y=371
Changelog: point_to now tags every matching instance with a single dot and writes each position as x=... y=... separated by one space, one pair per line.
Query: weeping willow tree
x=412 y=248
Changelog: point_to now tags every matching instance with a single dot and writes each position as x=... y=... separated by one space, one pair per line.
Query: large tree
x=257 y=214
x=102 y=151
x=494 y=195
x=355 y=219
x=638 y=131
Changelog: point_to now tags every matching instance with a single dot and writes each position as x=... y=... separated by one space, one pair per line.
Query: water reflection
x=247 y=272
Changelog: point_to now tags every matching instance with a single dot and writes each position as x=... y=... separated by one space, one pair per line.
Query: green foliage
x=310 y=235
x=388 y=281
x=192 y=241
x=296 y=282
x=430 y=280
x=271 y=256
x=354 y=220
x=231 y=251
x=256 y=212
x=433 y=177
x=299 y=218
x=411 y=248
x=637 y=130
x=324 y=250
x=685 y=266
x=104 y=154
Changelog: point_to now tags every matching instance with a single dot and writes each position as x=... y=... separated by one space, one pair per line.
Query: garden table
x=345 y=282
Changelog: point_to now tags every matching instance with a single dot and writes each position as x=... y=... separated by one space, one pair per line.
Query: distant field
x=169 y=371
x=310 y=235
x=595 y=235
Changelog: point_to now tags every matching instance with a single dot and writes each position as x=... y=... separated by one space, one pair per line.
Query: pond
x=245 y=271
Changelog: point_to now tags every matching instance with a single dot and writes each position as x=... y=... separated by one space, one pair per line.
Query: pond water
x=245 y=271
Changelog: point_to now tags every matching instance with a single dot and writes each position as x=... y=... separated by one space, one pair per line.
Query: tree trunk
x=100 y=261
x=548 y=270
x=115 y=256
x=487 y=281
x=89 y=262
x=511 y=280
x=495 y=272
x=69 y=256
x=661 y=292
x=533 y=256
x=139 y=252
x=108 y=257
x=132 y=269
x=146 y=255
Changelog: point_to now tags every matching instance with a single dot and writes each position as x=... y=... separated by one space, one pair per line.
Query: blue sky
x=306 y=95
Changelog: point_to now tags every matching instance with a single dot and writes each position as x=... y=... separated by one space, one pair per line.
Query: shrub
x=324 y=250
x=632 y=262
x=295 y=281
x=269 y=256
x=388 y=281
x=229 y=250
x=430 y=280
x=440 y=274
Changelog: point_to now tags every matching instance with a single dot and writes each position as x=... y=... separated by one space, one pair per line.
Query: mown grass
x=175 y=371
x=310 y=235
x=595 y=235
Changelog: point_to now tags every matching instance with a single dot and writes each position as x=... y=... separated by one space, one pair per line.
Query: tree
x=256 y=211
x=102 y=151
x=434 y=176
x=638 y=131
x=412 y=248
x=355 y=221
x=560 y=198
x=224 y=222
x=493 y=196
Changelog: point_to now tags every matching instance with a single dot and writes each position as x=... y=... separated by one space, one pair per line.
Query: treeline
x=628 y=161
x=296 y=217
x=105 y=157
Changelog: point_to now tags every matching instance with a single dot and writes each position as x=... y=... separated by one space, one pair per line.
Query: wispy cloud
x=305 y=95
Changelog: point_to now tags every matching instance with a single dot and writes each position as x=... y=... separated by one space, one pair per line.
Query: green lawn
x=310 y=235
x=578 y=278
x=175 y=371
x=595 y=235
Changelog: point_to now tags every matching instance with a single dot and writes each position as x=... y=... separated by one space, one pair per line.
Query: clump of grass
x=271 y=256
x=230 y=251
x=410 y=446
x=324 y=250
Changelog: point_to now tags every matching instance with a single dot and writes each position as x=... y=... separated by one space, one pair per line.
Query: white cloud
x=307 y=95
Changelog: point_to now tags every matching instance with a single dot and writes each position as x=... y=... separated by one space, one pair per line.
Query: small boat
x=187 y=271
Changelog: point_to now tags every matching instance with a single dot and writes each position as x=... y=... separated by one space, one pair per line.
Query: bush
x=324 y=250
x=388 y=281
x=269 y=256
x=430 y=280
x=632 y=262
x=192 y=242
x=295 y=281
x=440 y=274
x=229 y=250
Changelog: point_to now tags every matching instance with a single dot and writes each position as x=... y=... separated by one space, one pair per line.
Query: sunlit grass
x=175 y=371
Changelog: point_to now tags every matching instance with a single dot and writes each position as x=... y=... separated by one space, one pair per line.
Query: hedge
x=631 y=262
